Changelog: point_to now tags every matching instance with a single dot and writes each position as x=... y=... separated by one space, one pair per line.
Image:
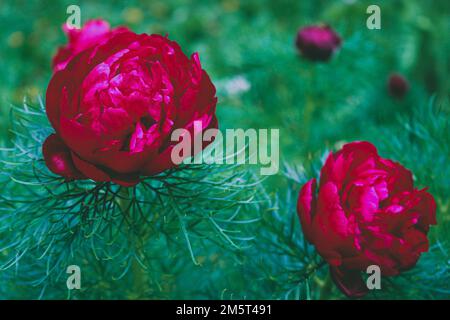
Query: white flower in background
x=237 y=85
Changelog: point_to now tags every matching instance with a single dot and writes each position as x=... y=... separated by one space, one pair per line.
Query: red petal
x=90 y=170
x=306 y=206
x=427 y=208
x=363 y=201
x=350 y=282
x=331 y=228
x=326 y=173
x=159 y=164
x=400 y=179
x=330 y=212
x=363 y=147
x=163 y=161
x=53 y=99
x=128 y=180
x=99 y=175
x=346 y=163
x=58 y=158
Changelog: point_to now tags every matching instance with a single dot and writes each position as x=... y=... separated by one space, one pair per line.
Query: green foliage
x=48 y=224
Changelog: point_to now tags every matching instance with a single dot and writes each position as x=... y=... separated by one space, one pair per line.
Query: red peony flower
x=366 y=212
x=397 y=85
x=92 y=33
x=115 y=105
x=317 y=43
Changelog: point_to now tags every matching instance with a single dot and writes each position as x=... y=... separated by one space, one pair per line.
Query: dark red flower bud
x=317 y=43
x=397 y=85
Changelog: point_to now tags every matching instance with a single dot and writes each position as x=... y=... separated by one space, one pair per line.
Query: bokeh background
x=248 y=49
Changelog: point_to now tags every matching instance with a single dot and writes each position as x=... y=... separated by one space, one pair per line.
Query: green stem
x=140 y=277
x=307 y=116
x=326 y=288
x=183 y=227
x=312 y=269
x=310 y=104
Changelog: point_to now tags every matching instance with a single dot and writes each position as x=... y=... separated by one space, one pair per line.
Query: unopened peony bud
x=317 y=43
x=397 y=85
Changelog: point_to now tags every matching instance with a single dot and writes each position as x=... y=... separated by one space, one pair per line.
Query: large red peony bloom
x=317 y=43
x=366 y=212
x=116 y=103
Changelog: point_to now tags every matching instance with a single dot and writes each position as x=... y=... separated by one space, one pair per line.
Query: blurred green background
x=255 y=40
x=247 y=47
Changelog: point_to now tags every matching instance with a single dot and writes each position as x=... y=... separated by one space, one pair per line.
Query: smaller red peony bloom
x=317 y=43
x=366 y=212
x=398 y=86
x=92 y=33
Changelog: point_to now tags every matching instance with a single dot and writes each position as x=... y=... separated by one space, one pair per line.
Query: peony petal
x=417 y=240
x=90 y=170
x=363 y=201
x=384 y=259
x=332 y=231
x=344 y=165
x=326 y=173
x=91 y=34
x=400 y=179
x=126 y=180
x=159 y=163
x=93 y=172
x=124 y=161
x=332 y=218
x=350 y=282
x=58 y=158
x=81 y=139
x=53 y=99
x=306 y=206
x=427 y=209
x=364 y=148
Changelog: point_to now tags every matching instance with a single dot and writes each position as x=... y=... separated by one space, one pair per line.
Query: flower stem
x=310 y=103
x=140 y=277
x=307 y=116
x=326 y=288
